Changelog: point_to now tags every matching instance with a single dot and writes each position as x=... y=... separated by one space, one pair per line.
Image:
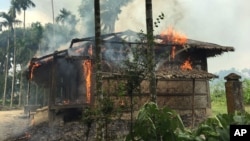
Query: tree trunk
x=150 y=50
x=98 y=68
x=14 y=71
x=21 y=78
x=24 y=14
x=6 y=69
x=20 y=90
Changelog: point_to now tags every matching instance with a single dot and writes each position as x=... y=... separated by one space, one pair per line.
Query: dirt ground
x=12 y=123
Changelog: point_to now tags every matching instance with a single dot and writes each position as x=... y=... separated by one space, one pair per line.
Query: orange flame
x=187 y=65
x=87 y=74
x=173 y=52
x=171 y=36
x=33 y=66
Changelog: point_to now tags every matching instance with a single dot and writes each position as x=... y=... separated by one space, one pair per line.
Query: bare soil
x=13 y=123
x=16 y=126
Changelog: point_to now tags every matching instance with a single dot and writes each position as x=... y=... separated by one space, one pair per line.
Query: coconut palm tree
x=8 y=22
x=151 y=52
x=68 y=21
x=16 y=7
x=63 y=16
x=22 y=5
x=110 y=11
x=13 y=10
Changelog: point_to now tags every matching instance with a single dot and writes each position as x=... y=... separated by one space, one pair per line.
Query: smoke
x=222 y=22
x=133 y=16
x=54 y=39
x=109 y=10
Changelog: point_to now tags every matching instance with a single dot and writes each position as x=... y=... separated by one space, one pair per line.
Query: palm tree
x=63 y=16
x=68 y=21
x=14 y=70
x=110 y=11
x=9 y=22
x=22 y=5
x=109 y=14
x=17 y=6
x=151 y=52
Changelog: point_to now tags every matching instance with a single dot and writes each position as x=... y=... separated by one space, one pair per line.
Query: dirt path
x=12 y=123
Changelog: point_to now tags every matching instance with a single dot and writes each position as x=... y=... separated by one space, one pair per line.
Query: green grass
x=219 y=105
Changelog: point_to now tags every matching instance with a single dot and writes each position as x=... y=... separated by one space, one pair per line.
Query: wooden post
x=36 y=94
x=44 y=96
x=234 y=93
x=52 y=94
x=28 y=93
x=193 y=103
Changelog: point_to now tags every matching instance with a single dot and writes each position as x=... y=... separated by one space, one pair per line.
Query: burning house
x=181 y=72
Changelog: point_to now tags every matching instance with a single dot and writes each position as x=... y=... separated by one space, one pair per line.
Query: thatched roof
x=210 y=48
x=187 y=74
x=130 y=37
x=169 y=74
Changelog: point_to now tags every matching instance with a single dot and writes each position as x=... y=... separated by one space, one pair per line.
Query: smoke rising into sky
x=224 y=22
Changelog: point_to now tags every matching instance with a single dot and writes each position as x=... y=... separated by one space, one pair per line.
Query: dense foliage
x=160 y=124
x=34 y=40
x=246 y=90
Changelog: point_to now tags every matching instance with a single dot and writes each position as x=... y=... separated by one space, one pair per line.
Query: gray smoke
x=222 y=22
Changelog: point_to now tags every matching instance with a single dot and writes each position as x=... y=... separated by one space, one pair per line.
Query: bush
x=246 y=91
x=155 y=124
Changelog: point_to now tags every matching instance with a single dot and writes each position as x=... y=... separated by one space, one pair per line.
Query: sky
x=223 y=22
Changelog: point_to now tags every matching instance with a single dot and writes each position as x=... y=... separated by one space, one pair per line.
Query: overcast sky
x=223 y=22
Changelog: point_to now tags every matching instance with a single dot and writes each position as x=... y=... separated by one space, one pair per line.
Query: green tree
x=3 y=45
x=23 y=5
x=9 y=22
x=14 y=7
x=246 y=91
x=24 y=54
x=68 y=21
x=63 y=16
x=110 y=9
